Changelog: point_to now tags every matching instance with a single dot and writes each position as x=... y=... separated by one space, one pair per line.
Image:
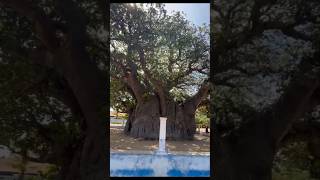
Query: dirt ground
x=120 y=142
x=11 y=164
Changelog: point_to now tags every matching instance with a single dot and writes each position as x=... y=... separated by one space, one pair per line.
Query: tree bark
x=144 y=120
x=89 y=89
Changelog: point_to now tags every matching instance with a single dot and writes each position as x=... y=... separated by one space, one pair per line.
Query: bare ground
x=119 y=142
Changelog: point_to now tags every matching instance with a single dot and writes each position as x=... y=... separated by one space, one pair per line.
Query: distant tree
x=202 y=116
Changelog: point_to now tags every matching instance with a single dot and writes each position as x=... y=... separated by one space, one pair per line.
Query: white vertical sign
x=162 y=135
x=162 y=127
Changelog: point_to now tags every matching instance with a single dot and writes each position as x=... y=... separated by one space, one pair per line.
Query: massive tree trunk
x=248 y=152
x=144 y=120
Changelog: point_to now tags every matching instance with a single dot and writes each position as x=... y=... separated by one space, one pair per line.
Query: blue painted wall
x=139 y=165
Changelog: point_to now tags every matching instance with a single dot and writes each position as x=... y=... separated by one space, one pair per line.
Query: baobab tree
x=162 y=62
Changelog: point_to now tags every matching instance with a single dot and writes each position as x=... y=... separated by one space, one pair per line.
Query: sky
x=196 y=13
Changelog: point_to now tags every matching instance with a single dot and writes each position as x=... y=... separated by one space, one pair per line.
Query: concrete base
x=152 y=165
x=158 y=152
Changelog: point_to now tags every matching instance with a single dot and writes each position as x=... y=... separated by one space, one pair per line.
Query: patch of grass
x=116 y=123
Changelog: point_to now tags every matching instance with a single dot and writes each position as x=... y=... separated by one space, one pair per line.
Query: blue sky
x=196 y=13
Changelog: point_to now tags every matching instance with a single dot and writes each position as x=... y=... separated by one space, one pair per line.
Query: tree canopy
x=164 y=50
x=159 y=67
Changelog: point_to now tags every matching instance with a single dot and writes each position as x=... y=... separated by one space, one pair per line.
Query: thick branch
x=180 y=78
x=157 y=84
x=131 y=78
x=294 y=103
x=132 y=81
x=195 y=100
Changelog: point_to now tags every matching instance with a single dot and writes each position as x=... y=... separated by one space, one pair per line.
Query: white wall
x=160 y=165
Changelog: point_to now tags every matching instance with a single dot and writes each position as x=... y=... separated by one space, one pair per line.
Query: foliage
x=202 y=116
x=175 y=52
x=120 y=100
x=125 y=116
